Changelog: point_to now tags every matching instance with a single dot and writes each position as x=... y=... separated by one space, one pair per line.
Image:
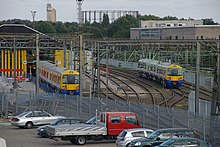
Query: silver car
x=126 y=136
x=29 y=119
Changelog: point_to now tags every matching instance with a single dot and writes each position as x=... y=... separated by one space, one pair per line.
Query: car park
x=41 y=131
x=161 y=135
x=126 y=136
x=28 y=119
x=184 y=142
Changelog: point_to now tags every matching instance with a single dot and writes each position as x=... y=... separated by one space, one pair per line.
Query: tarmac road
x=16 y=137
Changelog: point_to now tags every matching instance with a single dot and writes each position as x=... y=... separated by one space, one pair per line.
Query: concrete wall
x=178 y=33
x=209 y=32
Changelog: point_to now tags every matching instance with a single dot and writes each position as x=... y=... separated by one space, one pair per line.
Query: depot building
x=177 y=32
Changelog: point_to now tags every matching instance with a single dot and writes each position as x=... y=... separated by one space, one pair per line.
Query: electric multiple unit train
x=171 y=75
x=58 y=79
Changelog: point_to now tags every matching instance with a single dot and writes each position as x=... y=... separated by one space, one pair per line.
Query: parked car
x=41 y=131
x=182 y=141
x=2 y=142
x=126 y=136
x=29 y=119
x=161 y=135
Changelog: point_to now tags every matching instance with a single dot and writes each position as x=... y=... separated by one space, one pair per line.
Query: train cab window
x=76 y=79
x=174 y=72
x=71 y=79
x=65 y=81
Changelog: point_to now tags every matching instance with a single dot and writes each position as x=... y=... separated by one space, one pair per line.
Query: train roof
x=52 y=67
x=155 y=62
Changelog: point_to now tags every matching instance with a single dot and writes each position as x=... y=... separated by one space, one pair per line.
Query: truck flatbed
x=76 y=129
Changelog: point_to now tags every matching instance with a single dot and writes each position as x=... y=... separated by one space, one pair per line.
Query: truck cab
x=118 y=121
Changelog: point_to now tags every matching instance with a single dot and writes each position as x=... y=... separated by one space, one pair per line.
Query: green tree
x=45 y=27
x=105 y=21
x=209 y=21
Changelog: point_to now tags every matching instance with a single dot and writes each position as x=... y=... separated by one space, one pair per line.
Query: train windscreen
x=70 y=79
x=174 y=72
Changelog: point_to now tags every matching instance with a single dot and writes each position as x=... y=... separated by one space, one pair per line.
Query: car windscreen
x=23 y=114
x=55 y=122
x=154 y=135
x=122 y=134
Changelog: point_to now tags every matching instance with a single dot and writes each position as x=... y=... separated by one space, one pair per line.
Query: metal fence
x=150 y=116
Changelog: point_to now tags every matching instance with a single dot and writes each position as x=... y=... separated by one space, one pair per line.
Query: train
x=58 y=79
x=169 y=75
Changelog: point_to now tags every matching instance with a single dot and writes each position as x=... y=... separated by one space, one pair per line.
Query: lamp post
x=33 y=13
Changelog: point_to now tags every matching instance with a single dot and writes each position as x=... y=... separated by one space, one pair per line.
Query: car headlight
x=137 y=143
x=41 y=130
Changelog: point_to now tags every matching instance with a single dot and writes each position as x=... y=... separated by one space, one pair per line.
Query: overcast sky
x=67 y=9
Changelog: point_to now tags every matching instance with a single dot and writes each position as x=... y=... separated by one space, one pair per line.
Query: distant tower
x=79 y=3
x=51 y=13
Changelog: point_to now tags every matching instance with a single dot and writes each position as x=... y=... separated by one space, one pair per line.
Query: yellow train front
x=174 y=76
x=58 y=79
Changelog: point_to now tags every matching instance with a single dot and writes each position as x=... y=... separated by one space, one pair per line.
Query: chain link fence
x=154 y=117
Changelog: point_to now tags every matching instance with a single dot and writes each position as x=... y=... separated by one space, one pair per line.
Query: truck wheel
x=28 y=125
x=72 y=140
x=80 y=140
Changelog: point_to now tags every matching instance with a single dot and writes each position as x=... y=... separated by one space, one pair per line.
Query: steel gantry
x=183 y=52
x=196 y=55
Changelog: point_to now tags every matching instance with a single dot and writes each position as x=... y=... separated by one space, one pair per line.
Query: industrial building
x=51 y=13
x=177 y=32
x=169 y=23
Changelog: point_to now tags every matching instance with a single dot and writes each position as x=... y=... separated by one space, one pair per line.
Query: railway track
x=128 y=86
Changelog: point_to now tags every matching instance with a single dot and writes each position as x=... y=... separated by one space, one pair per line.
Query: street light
x=33 y=13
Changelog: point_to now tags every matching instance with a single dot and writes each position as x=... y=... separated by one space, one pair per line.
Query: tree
x=209 y=21
x=45 y=27
x=105 y=21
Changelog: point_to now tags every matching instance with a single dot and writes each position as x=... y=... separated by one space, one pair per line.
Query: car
x=161 y=135
x=126 y=136
x=2 y=142
x=41 y=131
x=184 y=142
x=28 y=119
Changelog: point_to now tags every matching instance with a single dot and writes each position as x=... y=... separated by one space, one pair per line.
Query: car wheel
x=80 y=140
x=28 y=125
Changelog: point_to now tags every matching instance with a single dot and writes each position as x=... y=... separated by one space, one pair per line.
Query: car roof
x=138 y=129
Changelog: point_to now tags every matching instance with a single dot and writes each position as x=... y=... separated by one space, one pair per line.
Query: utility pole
x=37 y=65
x=81 y=63
x=15 y=64
x=215 y=109
x=33 y=13
x=197 y=78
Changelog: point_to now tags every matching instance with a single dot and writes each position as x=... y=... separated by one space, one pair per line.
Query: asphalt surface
x=16 y=137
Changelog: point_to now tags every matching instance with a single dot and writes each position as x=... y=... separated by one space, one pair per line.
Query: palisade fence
x=150 y=116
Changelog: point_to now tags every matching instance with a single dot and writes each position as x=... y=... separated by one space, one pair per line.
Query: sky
x=67 y=9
